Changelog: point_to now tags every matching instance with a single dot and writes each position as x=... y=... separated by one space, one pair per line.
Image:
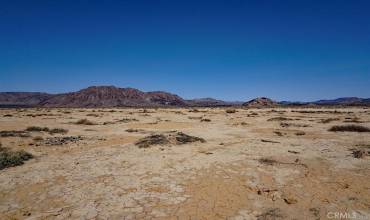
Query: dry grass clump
x=177 y=138
x=126 y=120
x=14 y=134
x=360 y=153
x=205 y=120
x=328 y=120
x=9 y=158
x=278 y=133
x=131 y=130
x=230 y=111
x=46 y=129
x=62 y=140
x=37 y=129
x=84 y=122
x=58 y=131
x=349 y=128
x=300 y=133
x=183 y=138
x=280 y=119
x=156 y=139
x=38 y=138
x=353 y=120
x=93 y=115
x=267 y=161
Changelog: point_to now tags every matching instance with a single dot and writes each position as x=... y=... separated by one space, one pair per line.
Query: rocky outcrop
x=261 y=102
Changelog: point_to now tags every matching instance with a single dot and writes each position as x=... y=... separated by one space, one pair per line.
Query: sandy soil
x=250 y=167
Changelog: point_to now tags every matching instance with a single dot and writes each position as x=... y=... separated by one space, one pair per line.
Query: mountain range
x=111 y=96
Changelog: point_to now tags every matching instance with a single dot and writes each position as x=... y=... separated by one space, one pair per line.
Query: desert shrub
x=62 y=140
x=14 y=134
x=38 y=138
x=152 y=140
x=359 y=153
x=36 y=128
x=9 y=158
x=92 y=115
x=349 y=128
x=278 y=133
x=267 y=161
x=126 y=120
x=194 y=110
x=279 y=119
x=58 y=131
x=84 y=122
x=177 y=138
x=328 y=120
x=131 y=130
x=46 y=129
x=300 y=133
x=183 y=138
x=353 y=120
x=230 y=111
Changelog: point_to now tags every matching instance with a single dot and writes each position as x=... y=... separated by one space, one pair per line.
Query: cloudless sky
x=232 y=50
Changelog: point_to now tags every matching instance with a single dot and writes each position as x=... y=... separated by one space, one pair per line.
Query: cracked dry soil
x=232 y=175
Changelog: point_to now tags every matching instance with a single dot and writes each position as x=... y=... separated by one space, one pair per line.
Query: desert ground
x=204 y=163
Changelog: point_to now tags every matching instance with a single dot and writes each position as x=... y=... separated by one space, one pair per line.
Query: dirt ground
x=255 y=164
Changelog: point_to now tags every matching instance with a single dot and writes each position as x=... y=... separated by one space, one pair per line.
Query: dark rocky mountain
x=261 y=102
x=22 y=98
x=210 y=102
x=344 y=101
x=110 y=96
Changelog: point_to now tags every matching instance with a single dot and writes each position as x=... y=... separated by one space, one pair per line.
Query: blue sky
x=231 y=50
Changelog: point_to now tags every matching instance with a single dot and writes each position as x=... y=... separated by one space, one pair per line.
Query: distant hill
x=111 y=96
x=260 y=103
x=344 y=101
x=22 y=98
x=210 y=102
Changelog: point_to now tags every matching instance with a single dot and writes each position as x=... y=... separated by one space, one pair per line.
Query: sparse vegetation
x=349 y=128
x=14 y=134
x=84 y=122
x=62 y=140
x=328 y=120
x=300 y=133
x=9 y=158
x=126 y=120
x=270 y=141
x=230 y=111
x=279 y=119
x=267 y=161
x=360 y=153
x=278 y=133
x=177 y=138
x=92 y=115
x=183 y=138
x=46 y=129
x=37 y=129
x=205 y=120
x=131 y=130
x=38 y=138
x=58 y=131
x=155 y=139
